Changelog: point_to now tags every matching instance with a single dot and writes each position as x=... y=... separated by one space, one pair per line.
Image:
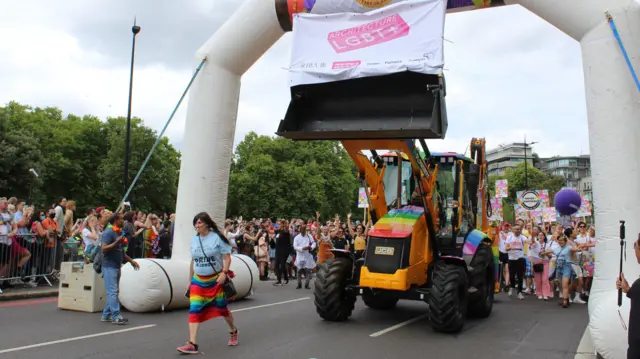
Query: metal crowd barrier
x=29 y=260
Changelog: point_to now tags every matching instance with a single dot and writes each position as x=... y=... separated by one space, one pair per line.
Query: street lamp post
x=526 y=163
x=127 y=146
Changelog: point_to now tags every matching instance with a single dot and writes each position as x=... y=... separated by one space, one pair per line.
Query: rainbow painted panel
x=473 y=241
x=397 y=223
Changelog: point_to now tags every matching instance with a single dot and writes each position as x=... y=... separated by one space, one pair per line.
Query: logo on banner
x=530 y=200
x=373 y=4
x=340 y=65
x=370 y=34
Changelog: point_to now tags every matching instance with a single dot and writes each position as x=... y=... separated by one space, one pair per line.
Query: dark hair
x=568 y=232
x=35 y=217
x=129 y=216
x=114 y=217
x=206 y=219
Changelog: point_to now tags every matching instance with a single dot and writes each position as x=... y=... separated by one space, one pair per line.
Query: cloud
x=508 y=74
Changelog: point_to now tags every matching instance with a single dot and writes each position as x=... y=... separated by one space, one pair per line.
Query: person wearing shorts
x=8 y=229
x=503 y=256
x=563 y=253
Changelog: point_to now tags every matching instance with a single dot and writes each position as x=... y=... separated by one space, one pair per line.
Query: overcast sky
x=508 y=72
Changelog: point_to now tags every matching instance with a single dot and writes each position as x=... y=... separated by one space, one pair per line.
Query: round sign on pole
x=530 y=200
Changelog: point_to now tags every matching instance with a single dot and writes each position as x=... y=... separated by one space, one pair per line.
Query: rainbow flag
x=397 y=223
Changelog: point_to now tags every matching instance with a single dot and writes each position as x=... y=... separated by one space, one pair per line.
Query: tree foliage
x=276 y=177
x=537 y=180
x=82 y=158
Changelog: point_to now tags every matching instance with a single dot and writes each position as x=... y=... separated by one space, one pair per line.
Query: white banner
x=406 y=36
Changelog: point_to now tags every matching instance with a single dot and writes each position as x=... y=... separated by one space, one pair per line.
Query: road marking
x=270 y=304
x=134 y=328
x=399 y=325
x=76 y=338
x=20 y=303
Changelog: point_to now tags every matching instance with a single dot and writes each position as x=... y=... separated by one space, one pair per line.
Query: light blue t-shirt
x=214 y=249
x=563 y=254
x=21 y=230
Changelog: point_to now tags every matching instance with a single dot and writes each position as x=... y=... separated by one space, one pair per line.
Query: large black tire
x=448 y=298
x=481 y=302
x=380 y=300
x=333 y=302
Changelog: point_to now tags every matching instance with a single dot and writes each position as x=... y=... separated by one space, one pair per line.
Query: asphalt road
x=281 y=323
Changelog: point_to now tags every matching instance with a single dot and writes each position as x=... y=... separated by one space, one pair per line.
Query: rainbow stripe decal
x=473 y=241
x=397 y=223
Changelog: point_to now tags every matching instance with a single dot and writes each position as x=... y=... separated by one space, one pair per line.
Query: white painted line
x=398 y=326
x=134 y=328
x=270 y=304
x=76 y=338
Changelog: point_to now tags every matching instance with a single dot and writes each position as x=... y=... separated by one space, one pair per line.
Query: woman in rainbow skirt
x=210 y=260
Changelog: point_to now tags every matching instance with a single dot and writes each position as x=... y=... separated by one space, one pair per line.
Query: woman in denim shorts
x=563 y=266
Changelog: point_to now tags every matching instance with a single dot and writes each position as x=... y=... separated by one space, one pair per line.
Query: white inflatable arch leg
x=161 y=284
x=208 y=145
x=613 y=105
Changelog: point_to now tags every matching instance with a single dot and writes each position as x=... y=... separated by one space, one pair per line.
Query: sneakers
x=277 y=284
x=233 y=338
x=520 y=296
x=539 y=297
x=105 y=319
x=545 y=298
x=119 y=321
x=510 y=292
x=188 y=348
x=578 y=300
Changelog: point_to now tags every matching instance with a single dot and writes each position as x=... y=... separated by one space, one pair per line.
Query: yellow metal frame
x=421 y=253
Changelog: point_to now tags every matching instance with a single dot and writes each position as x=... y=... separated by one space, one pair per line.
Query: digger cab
x=402 y=105
x=397 y=170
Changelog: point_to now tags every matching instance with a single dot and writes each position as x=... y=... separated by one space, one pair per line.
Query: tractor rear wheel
x=448 y=298
x=380 y=300
x=333 y=302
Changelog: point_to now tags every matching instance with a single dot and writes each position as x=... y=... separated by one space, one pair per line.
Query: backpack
x=97 y=261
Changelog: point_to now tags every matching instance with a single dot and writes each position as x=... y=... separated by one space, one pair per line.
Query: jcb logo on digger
x=385 y=251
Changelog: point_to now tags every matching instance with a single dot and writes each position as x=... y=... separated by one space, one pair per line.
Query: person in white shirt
x=303 y=244
x=515 y=248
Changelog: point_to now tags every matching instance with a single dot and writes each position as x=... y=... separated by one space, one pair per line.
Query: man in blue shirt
x=113 y=258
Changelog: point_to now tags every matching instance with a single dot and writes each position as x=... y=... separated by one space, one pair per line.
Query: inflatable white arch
x=613 y=106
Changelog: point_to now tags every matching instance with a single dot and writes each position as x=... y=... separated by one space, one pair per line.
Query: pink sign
x=345 y=64
x=374 y=33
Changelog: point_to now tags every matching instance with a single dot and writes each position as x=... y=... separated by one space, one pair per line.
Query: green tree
x=156 y=189
x=80 y=158
x=276 y=177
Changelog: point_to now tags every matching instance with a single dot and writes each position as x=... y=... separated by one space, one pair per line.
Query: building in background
x=585 y=188
x=508 y=156
x=576 y=171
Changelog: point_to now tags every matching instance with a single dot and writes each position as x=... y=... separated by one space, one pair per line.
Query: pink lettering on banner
x=338 y=65
x=370 y=34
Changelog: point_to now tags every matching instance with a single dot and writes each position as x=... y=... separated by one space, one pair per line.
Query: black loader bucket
x=404 y=105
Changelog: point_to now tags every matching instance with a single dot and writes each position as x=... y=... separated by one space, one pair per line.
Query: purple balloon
x=567 y=201
x=308 y=4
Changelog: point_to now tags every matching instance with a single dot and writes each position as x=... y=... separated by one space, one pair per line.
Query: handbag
x=538 y=268
x=228 y=287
